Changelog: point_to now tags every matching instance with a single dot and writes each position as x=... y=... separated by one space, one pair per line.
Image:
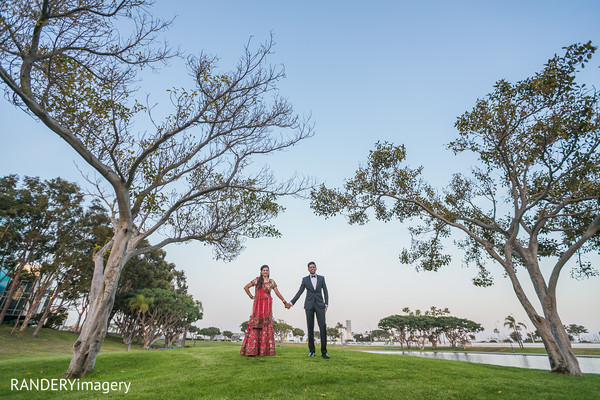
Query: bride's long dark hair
x=260 y=278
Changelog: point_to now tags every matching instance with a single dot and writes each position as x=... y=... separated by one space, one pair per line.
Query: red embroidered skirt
x=259 y=339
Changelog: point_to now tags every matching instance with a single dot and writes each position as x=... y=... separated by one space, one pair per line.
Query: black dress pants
x=310 y=325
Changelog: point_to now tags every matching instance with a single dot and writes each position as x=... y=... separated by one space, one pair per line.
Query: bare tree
x=69 y=64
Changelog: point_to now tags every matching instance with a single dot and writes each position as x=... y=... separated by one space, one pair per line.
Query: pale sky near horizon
x=365 y=71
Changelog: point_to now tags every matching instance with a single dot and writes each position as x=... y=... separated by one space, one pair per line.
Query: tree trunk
x=89 y=342
x=28 y=303
x=84 y=305
x=11 y=291
x=57 y=290
x=17 y=322
x=557 y=344
x=553 y=333
x=98 y=274
x=42 y=320
x=36 y=300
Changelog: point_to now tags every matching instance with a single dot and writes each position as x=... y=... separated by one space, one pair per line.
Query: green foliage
x=46 y=223
x=533 y=194
x=334 y=333
x=75 y=66
x=281 y=329
x=140 y=303
x=430 y=326
x=228 y=334
x=379 y=334
x=147 y=271
x=36 y=217
x=537 y=141
x=54 y=319
x=297 y=332
x=576 y=330
x=211 y=331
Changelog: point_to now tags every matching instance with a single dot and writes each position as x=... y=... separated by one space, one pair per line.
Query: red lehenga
x=259 y=339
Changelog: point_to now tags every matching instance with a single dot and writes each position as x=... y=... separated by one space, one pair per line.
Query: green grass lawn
x=217 y=371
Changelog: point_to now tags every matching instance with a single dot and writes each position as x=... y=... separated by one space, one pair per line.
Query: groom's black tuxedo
x=314 y=298
x=317 y=298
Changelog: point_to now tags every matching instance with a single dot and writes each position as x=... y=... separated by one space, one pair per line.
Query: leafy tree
x=53 y=318
x=244 y=326
x=298 y=333
x=576 y=330
x=228 y=334
x=11 y=207
x=333 y=333
x=28 y=215
x=398 y=327
x=151 y=312
x=69 y=64
x=418 y=328
x=532 y=197
x=74 y=240
x=358 y=337
x=340 y=329
x=140 y=305
x=148 y=270
x=74 y=291
x=73 y=258
x=211 y=332
x=459 y=330
x=48 y=226
x=379 y=334
x=281 y=329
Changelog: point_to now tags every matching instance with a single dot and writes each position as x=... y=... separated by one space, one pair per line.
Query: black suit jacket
x=314 y=297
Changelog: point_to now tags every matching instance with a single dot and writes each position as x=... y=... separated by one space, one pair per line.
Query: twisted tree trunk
x=550 y=327
x=93 y=332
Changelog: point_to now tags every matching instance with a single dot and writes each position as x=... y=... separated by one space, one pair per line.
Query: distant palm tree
x=511 y=323
x=340 y=329
x=140 y=303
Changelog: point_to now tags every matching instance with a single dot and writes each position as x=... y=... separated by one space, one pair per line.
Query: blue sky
x=365 y=71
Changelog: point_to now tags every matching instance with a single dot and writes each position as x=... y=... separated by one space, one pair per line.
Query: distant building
x=237 y=337
x=19 y=302
x=348 y=332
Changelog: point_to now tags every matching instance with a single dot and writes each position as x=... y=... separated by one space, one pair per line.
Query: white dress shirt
x=313 y=280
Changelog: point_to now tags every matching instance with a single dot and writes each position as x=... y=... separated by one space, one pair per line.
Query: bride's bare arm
x=279 y=295
x=247 y=289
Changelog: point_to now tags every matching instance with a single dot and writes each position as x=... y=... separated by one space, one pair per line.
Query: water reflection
x=588 y=364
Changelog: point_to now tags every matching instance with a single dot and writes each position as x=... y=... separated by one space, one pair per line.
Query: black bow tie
x=313 y=276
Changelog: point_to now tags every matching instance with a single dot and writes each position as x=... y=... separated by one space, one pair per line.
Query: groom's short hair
x=312 y=262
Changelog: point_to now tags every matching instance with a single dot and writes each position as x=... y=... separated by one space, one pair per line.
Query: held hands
x=287 y=305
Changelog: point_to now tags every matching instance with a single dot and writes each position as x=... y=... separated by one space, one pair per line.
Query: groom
x=314 y=305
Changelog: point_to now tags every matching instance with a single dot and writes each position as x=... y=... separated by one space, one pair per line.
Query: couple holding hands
x=259 y=339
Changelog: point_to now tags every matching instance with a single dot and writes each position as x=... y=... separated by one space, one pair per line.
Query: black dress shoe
x=311 y=354
x=326 y=356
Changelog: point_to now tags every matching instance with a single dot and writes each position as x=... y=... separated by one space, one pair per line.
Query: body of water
x=588 y=364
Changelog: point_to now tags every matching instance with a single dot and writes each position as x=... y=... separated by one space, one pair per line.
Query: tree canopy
x=532 y=196
x=76 y=66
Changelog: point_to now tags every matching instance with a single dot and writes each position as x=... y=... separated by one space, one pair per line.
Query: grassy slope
x=217 y=371
x=48 y=342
